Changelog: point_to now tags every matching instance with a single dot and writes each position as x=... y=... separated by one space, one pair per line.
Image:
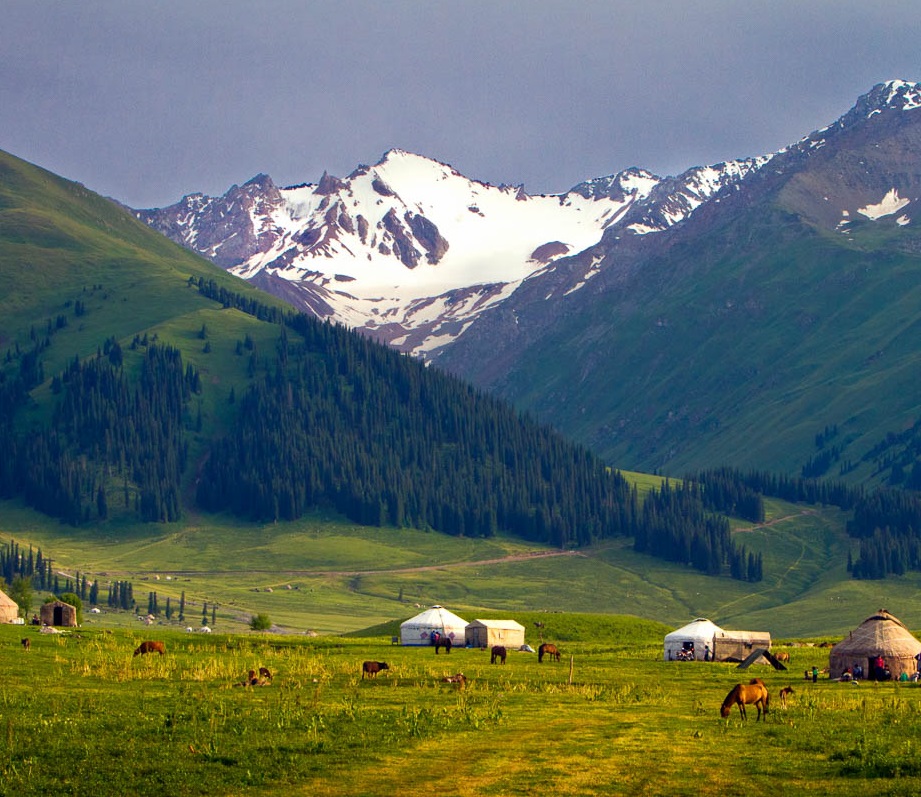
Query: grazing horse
x=498 y=652
x=150 y=646
x=787 y=690
x=747 y=694
x=782 y=655
x=442 y=641
x=551 y=650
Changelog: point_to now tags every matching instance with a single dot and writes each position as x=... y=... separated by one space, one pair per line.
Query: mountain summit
x=412 y=251
x=733 y=314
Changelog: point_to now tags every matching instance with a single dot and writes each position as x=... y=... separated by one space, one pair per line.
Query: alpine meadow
x=667 y=399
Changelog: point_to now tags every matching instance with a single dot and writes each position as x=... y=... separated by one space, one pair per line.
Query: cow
x=150 y=646
x=372 y=668
x=498 y=652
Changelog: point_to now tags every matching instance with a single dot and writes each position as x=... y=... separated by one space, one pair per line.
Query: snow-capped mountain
x=410 y=250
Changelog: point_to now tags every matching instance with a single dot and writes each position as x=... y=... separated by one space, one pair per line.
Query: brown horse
x=550 y=650
x=442 y=641
x=498 y=652
x=782 y=655
x=741 y=695
x=150 y=646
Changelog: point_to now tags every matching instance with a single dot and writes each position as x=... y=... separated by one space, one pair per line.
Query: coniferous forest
x=333 y=420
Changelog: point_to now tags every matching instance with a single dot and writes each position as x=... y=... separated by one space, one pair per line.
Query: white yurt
x=418 y=630
x=9 y=611
x=697 y=635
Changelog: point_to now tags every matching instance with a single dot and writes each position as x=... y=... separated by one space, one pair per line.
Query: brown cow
x=372 y=668
x=498 y=652
x=150 y=646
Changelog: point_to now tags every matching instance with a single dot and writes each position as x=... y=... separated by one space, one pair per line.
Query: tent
x=486 y=633
x=59 y=613
x=9 y=610
x=694 y=636
x=878 y=635
x=418 y=630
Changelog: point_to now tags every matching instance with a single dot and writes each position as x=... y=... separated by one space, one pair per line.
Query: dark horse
x=551 y=650
x=747 y=694
x=498 y=652
x=442 y=641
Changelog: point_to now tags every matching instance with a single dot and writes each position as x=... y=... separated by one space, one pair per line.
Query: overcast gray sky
x=148 y=101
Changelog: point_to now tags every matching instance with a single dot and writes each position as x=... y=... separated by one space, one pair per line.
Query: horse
x=442 y=642
x=150 y=646
x=787 y=690
x=551 y=650
x=264 y=672
x=754 y=693
x=782 y=655
x=498 y=652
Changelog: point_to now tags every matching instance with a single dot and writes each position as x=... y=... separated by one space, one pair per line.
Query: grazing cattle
x=27 y=643
x=498 y=652
x=460 y=678
x=264 y=673
x=372 y=668
x=787 y=690
x=150 y=646
x=550 y=650
x=782 y=655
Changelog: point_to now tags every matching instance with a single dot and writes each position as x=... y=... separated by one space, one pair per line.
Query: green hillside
x=344 y=483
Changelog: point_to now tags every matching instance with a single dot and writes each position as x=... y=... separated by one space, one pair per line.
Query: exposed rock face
x=425 y=250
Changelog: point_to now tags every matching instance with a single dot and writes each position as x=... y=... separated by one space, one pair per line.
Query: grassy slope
x=344 y=578
x=738 y=349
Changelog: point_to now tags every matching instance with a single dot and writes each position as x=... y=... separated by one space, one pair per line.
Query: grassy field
x=79 y=714
x=323 y=575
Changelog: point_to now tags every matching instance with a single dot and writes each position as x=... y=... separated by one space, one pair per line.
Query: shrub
x=260 y=622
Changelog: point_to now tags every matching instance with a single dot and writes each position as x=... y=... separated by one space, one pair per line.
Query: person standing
x=815 y=674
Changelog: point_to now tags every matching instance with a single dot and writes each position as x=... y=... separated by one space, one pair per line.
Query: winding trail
x=520 y=557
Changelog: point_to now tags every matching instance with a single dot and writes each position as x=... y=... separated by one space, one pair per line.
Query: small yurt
x=486 y=633
x=9 y=610
x=695 y=636
x=418 y=630
x=878 y=635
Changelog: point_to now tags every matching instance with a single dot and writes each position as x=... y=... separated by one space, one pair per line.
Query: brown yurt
x=9 y=610
x=880 y=635
x=59 y=613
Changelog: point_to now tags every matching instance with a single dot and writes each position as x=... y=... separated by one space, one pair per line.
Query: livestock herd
x=755 y=692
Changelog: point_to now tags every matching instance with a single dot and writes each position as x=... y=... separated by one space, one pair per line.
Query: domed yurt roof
x=881 y=634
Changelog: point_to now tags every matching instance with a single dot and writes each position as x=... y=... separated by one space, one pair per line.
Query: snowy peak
x=414 y=252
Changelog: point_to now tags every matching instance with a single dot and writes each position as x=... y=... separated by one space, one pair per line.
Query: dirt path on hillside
x=774 y=522
x=521 y=557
